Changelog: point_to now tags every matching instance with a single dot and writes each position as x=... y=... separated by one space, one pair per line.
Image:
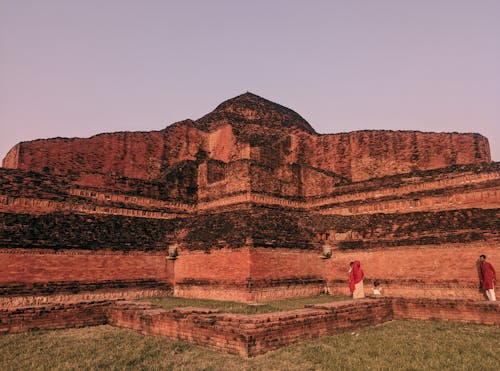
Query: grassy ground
x=241 y=308
x=402 y=345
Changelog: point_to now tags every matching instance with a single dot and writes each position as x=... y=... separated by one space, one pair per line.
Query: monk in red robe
x=356 y=280
x=488 y=277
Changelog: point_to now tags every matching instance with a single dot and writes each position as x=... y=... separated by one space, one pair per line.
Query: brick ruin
x=248 y=204
x=245 y=335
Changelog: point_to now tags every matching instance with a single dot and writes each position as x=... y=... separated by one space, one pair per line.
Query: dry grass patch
x=405 y=345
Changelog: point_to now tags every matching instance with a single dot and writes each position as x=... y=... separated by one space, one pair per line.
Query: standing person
x=356 y=280
x=488 y=277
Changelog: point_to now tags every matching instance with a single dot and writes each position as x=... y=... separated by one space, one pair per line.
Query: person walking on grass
x=488 y=277
x=356 y=280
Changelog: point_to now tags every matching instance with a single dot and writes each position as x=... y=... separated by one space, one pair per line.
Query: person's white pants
x=491 y=295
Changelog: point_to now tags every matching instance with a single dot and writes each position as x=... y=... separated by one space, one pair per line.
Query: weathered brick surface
x=223 y=263
x=249 y=274
x=244 y=225
x=379 y=230
x=143 y=155
x=53 y=316
x=469 y=311
x=277 y=134
x=479 y=197
x=179 y=183
x=22 y=205
x=27 y=266
x=369 y=154
x=219 y=274
x=268 y=226
x=249 y=335
x=92 y=232
x=336 y=153
x=77 y=286
x=284 y=263
x=292 y=180
x=118 y=291
x=217 y=179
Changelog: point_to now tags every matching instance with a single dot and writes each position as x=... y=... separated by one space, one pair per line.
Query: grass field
x=402 y=345
x=242 y=308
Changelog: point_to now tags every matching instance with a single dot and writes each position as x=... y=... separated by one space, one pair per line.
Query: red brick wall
x=53 y=316
x=269 y=263
x=468 y=311
x=249 y=274
x=27 y=266
x=34 y=277
x=223 y=265
x=284 y=273
x=220 y=274
x=255 y=274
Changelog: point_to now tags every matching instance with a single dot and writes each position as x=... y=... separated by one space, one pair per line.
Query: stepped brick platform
x=250 y=335
x=247 y=203
x=246 y=335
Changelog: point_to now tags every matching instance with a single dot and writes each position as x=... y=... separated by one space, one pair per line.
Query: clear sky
x=81 y=67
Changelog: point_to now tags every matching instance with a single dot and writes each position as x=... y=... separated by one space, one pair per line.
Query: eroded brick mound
x=249 y=113
x=250 y=127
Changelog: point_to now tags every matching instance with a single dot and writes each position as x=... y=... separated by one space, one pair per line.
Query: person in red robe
x=488 y=277
x=356 y=280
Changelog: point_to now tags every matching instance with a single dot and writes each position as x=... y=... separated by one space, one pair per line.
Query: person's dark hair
x=482 y=256
x=376 y=283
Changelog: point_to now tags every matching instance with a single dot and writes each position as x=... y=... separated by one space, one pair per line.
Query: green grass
x=402 y=345
x=242 y=308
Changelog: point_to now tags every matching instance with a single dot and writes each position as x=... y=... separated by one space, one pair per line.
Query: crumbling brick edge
x=245 y=335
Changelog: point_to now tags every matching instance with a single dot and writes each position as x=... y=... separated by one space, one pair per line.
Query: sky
x=76 y=68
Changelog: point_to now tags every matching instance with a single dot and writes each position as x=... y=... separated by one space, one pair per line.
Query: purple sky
x=77 y=68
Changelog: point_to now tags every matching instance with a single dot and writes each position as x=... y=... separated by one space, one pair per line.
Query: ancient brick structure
x=246 y=335
x=247 y=203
